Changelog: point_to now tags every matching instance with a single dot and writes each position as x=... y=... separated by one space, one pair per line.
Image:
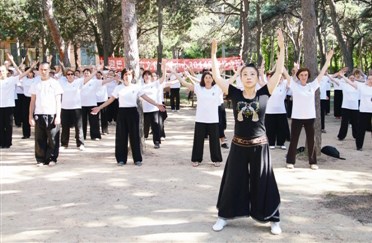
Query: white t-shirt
x=208 y=102
x=110 y=87
x=350 y=96
x=337 y=86
x=46 y=92
x=26 y=84
x=176 y=85
x=365 y=97
x=303 y=99
x=152 y=91
x=71 y=98
x=275 y=104
x=161 y=92
x=127 y=95
x=7 y=91
x=324 y=85
x=101 y=93
x=88 y=92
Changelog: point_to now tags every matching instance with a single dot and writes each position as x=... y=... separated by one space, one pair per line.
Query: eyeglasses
x=69 y=74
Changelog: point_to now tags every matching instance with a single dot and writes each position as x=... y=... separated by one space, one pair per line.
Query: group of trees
x=184 y=28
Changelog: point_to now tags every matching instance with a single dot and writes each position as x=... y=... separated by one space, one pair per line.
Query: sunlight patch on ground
x=118 y=182
x=174 y=210
x=61 y=176
x=181 y=236
x=27 y=236
x=215 y=172
x=144 y=194
x=2 y=192
x=145 y=221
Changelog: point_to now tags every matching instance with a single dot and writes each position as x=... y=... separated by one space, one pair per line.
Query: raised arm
x=287 y=77
x=163 y=71
x=332 y=79
x=325 y=66
x=353 y=84
x=216 y=72
x=273 y=81
x=183 y=82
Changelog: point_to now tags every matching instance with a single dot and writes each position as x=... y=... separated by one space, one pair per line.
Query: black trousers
x=103 y=118
x=46 y=139
x=6 y=126
x=348 y=116
x=127 y=125
x=152 y=119
x=26 y=128
x=323 y=111
x=162 y=117
x=18 y=109
x=72 y=118
x=175 y=98
x=248 y=186
x=277 y=129
x=200 y=131
x=296 y=128
x=288 y=105
x=328 y=106
x=365 y=120
x=222 y=124
x=112 y=110
x=337 y=103
x=93 y=123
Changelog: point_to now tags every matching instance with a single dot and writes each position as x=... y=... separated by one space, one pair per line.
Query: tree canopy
x=184 y=28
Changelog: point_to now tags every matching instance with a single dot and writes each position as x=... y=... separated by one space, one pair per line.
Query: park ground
x=87 y=198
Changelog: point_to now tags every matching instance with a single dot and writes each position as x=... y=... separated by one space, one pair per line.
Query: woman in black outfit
x=248 y=186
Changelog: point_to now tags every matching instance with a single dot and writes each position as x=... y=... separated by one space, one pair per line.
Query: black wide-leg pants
x=248 y=186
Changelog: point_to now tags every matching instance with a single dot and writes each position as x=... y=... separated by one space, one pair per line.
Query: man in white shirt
x=45 y=115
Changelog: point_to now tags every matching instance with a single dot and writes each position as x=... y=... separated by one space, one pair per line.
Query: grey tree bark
x=310 y=58
x=58 y=40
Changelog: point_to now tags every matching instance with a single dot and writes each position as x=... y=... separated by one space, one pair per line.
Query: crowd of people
x=54 y=100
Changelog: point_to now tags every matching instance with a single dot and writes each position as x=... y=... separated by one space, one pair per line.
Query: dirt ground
x=87 y=198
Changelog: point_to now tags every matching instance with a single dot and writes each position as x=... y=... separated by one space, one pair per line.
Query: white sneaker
x=81 y=148
x=219 y=225
x=272 y=147
x=314 y=167
x=275 y=228
x=283 y=147
x=290 y=166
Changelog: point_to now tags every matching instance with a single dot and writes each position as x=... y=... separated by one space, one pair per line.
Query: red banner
x=227 y=63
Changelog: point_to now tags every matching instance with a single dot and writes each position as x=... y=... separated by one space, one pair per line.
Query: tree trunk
x=244 y=48
x=348 y=57
x=129 y=19
x=105 y=25
x=54 y=30
x=259 y=32
x=131 y=55
x=160 y=41
x=310 y=58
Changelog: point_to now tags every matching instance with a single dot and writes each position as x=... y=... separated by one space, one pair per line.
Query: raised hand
x=214 y=47
x=280 y=39
x=329 y=55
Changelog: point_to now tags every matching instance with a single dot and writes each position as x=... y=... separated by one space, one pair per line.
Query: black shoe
x=225 y=146
x=138 y=163
x=25 y=137
x=157 y=145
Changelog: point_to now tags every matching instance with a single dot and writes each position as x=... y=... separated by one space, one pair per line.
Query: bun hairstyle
x=303 y=70
x=251 y=65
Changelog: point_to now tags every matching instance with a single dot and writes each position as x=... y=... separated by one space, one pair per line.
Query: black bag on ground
x=331 y=151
